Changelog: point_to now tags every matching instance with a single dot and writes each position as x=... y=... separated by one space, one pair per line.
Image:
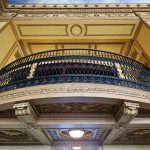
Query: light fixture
x=76 y=133
x=76 y=148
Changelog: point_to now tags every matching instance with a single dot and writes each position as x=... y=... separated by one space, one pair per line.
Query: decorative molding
x=126 y=113
x=99 y=90
x=57 y=9
x=143 y=15
x=77 y=15
x=30 y=45
x=130 y=108
x=22 y=109
x=26 y=115
x=28 y=118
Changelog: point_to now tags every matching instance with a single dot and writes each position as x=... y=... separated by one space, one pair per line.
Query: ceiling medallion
x=76 y=133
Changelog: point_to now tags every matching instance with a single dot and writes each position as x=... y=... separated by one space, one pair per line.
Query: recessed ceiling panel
x=17 y=137
x=134 y=136
x=63 y=135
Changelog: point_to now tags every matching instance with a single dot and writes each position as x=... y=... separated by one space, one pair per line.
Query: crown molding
x=73 y=8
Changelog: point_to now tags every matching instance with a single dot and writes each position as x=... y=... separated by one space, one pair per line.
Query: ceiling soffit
x=54 y=110
x=58 y=135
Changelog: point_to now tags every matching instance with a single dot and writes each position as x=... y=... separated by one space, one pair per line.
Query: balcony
x=75 y=66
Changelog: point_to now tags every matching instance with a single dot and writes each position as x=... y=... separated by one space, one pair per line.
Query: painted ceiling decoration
x=63 y=135
x=17 y=137
x=73 y=108
x=131 y=135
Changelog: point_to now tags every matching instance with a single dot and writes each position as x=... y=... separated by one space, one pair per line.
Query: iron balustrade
x=75 y=65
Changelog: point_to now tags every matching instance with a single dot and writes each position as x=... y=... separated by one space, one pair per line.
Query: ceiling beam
x=105 y=121
x=126 y=113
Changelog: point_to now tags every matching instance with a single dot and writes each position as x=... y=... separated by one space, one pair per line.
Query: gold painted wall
x=9 y=47
x=143 y=39
x=140 y=49
x=109 y=35
x=24 y=37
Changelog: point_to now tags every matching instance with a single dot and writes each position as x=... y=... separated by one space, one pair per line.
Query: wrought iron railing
x=74 y=65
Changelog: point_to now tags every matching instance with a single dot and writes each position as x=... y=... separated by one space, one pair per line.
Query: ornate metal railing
x=74 y=65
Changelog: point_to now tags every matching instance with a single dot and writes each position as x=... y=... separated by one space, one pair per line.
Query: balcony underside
x=44 y=96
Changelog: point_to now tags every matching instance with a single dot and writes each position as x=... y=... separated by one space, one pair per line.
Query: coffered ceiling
x=51 y=122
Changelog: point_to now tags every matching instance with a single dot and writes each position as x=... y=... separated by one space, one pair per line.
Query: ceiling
x=51 y=124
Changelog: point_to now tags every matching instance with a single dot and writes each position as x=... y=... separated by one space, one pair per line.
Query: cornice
x=75 y=90
x=73 y=8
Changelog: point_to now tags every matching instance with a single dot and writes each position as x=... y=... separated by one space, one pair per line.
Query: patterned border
x=59 y=90
x=73 y=7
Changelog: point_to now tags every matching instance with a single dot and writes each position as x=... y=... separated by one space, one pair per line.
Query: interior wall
x=10 y=49
x=126 y=147
x=143 y=38
x=140 y=49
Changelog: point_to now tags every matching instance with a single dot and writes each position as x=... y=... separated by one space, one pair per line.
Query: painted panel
x=43 y=30
x=109 y=29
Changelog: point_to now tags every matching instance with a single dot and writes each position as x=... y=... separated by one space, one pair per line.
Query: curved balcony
x=75 y=65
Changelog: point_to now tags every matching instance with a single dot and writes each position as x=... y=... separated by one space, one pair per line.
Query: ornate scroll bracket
x=126 y=113
x=28 y=117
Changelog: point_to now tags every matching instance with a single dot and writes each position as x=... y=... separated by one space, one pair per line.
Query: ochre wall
x=105 y=147
x=9 y=48
x=19 y=38
x=140 y=49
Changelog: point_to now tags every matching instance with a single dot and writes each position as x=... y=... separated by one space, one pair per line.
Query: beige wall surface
x=126 y=147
